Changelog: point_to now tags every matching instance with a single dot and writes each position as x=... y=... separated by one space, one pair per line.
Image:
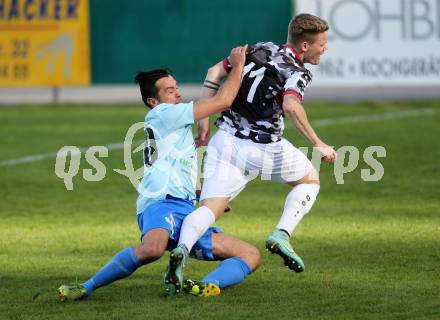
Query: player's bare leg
x=216 y=205
x=239 y=260
x=153 y=246
x=225 y=246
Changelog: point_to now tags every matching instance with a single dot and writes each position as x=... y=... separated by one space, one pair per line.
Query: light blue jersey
x=170 y=159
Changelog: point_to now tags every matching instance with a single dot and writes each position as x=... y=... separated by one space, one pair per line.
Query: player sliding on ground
x=167 y=190
x=249 y=141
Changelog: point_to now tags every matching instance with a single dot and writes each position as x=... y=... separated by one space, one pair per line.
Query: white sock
x=298 y=202
x=195 y=225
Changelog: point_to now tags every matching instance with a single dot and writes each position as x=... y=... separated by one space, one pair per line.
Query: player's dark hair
x=147 y=83
x=304 y=27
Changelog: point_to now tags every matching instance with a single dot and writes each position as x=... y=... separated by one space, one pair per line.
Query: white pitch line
x=316 y=123
x=374 y=117
x=43 y=156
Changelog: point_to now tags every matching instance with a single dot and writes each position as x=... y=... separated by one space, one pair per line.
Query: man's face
x=168 y=91
x=315 y=49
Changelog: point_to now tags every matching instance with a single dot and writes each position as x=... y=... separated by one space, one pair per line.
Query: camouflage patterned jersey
x=270 y=72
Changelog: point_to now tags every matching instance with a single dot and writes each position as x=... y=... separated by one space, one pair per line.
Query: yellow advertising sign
x=44 y=42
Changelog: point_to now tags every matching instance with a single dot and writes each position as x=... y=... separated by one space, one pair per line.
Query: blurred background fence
x=89 y=50
x=185 y=36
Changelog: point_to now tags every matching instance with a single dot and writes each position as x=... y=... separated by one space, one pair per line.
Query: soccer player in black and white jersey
x=249 y=141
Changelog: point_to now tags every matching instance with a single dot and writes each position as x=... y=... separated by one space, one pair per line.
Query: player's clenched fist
x=238 y=56
x=328 y=154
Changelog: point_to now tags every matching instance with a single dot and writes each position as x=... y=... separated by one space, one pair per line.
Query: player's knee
x=150 y=252
x=311 y=178
x=253 y=257
x=216 y=205
x=256 y=257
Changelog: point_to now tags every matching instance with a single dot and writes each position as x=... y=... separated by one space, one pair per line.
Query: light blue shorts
x=169 y=214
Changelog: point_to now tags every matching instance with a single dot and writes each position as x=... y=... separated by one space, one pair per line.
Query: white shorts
x=232 y=162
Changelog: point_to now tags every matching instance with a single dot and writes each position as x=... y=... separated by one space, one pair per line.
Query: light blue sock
x=120 y=266
x=229 y=272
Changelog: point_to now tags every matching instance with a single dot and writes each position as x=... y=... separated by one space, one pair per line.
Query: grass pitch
x=371 y=249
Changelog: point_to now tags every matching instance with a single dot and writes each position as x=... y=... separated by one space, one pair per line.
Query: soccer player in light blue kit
x=167 y=192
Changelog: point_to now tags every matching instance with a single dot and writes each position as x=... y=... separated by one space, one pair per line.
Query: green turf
x=371 y=248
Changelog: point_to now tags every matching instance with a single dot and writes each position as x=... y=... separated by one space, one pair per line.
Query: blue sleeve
x=167 y=118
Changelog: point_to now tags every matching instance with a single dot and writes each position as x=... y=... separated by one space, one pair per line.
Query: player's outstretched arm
x=224 y=97
x=296 y=114
x=212 y=82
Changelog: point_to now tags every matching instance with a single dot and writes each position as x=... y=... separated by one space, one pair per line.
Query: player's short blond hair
x=304 y=27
